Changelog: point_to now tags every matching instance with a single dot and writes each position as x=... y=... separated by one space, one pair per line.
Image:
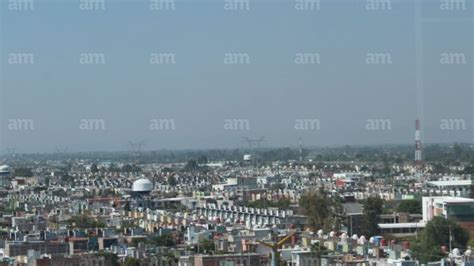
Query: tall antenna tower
x=300 y=140
x=418 y=148
x=251 y=142
x=136 y=147
x=10 y=152
x=61 y=150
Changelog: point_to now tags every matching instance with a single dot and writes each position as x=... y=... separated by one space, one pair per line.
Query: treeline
x=446 y=154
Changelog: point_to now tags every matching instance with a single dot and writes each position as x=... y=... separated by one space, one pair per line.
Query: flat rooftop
x=402 y=225
x=453 y=183
x=448 y=199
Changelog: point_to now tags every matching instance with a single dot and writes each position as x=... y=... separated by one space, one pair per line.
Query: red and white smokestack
x=418 y=158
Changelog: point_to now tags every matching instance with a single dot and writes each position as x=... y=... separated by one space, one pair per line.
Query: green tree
x=440 y=168
x=130 y=168
x=202 y=159
x=468 y=170
x=191 y=165
x=131 y=261
x=172 y=181
x=66 y=178
x=410 y=206
x=126 y=207
x=457 y=150
x=113 y=167
x=318 y=251
x=322 y=210
x=85 y=222
x=277 y=186
x=23 y=172
x=94 y=168
x=111 y=259
x=39 y=189
x=436 y=234
x=126 y=168
x=373 y=208
x=136 y=241
x=165 y=240
x=207 y=246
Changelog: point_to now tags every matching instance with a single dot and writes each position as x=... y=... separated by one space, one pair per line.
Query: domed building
x=142 y=186
x=5 y=171
x=247 y=157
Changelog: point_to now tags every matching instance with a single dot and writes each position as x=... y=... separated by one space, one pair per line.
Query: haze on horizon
x=201 y=76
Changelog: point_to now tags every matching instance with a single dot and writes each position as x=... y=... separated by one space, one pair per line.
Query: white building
x=456 y=208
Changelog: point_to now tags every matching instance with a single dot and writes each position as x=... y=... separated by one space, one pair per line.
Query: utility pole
x=450 y=238
x=136 y=148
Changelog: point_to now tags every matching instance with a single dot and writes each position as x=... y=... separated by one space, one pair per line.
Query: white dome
x=142 y=185
x=5 y=169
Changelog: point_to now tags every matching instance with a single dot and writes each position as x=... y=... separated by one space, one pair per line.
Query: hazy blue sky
x=199 y=92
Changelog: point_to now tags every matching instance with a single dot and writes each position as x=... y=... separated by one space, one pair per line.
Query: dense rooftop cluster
x=139 y=211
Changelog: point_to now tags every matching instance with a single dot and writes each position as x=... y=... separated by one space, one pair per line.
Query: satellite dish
x=320 y=232
x=468 y=253
x=344 y=237
x=362 y=240
x=456 y=252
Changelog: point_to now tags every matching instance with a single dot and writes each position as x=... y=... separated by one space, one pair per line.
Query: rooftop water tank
x=142 y=185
